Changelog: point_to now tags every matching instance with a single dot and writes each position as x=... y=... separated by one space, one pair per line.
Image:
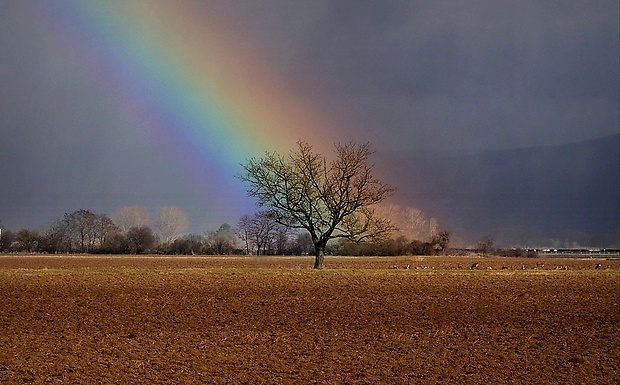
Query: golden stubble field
x=251 y=320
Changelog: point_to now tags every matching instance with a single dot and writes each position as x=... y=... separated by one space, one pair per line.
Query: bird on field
x=597 y=266
x=473 y=266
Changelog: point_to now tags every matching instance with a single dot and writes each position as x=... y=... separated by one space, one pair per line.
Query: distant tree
x=171 y=222
x=223 y=241
x=81 y=226
x=27 y=240
x=140 y=239
x=401 y=245
x=104 y=230
x=280 y=240
x=485 y=245
x=330 y=199
x=347 y=247
x=442 y=240
x=244 y=232
x=410 y=222
x=264 y=233
x=421 y=248
x=303 y=244
x=187 y=245
x=6 y=240
x=261 y=234
x=131 y=216
x=84 y=229
x=114 y=243
x=56 y=238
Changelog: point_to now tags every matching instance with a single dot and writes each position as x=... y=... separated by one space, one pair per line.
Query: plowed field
x=153 y=320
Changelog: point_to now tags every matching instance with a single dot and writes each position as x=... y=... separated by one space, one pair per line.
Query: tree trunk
x=319 y=255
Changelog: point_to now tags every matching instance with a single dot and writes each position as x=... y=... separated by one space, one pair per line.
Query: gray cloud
x=500 y=74
x=412 y=77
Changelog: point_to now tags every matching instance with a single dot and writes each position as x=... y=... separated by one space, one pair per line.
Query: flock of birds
x=474 y=266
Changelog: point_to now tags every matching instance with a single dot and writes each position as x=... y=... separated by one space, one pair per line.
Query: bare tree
x=261 y=233
x=80 y=225
x=86 y=229
x=267 y=233
x=171 y=222
x=104 y=228
x=280 y=239
x=485 y=245
x=329 y=198
x=243 y=231
x=57 y=237
x=131 y=216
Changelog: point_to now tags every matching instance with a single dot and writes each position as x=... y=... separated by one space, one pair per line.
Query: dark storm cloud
x=458 y=75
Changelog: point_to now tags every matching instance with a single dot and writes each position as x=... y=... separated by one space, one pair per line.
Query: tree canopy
x=328 y=198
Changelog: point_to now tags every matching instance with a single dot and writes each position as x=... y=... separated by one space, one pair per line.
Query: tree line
x=128 y=231
x=308 y=203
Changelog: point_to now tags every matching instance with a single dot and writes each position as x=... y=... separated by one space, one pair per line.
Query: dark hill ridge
x=561 y=195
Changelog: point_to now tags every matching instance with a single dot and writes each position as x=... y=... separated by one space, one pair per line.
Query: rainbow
x=202 y=89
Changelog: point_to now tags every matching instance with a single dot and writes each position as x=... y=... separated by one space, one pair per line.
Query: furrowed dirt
x=84 y=320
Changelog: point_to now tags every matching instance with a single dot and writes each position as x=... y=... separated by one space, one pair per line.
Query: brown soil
x=85 y=320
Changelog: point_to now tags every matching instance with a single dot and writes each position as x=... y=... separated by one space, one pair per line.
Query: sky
x=105 y=104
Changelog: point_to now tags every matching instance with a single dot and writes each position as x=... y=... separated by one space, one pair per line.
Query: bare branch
x=330 y=199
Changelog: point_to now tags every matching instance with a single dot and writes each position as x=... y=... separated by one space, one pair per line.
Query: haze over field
x=495 y=118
